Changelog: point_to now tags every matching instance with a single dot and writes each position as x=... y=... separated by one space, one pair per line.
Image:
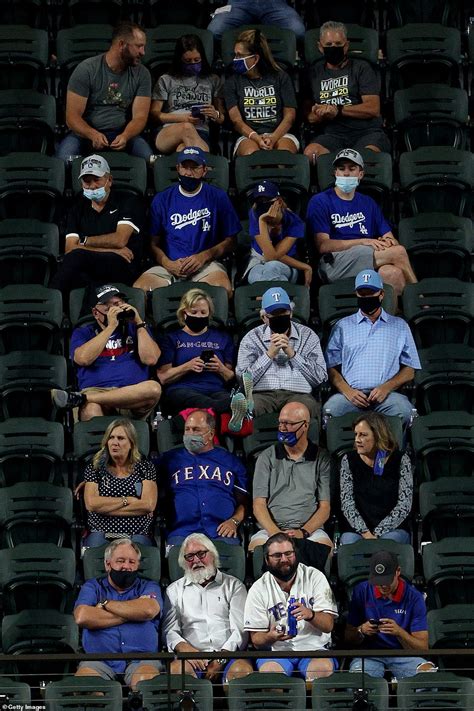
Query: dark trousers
x=81 y=267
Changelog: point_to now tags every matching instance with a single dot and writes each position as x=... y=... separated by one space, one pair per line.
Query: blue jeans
x=272 y=271
x=394 y=404
x=399 y=535
x=400 y=667
x=97 y=538
x=264 y=12
x=73 y=145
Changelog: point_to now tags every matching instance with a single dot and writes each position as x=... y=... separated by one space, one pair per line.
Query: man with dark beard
x=204 y=611
x=119 y=613
x=108 y=99
x=290 y=595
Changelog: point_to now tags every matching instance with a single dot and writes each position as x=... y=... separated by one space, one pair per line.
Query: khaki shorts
x=121 y=411
x=290 y=136
x=210 y=268
x=318 y=536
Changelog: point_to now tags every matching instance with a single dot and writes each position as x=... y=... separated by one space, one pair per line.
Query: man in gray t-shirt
x=108 y=99
x=291 y=482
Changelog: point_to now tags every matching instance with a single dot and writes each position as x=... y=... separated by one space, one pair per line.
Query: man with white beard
x=204 y=611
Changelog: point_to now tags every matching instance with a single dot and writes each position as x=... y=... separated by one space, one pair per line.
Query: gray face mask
x=194 y=443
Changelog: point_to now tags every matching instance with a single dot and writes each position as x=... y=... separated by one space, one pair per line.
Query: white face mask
x=346 y=183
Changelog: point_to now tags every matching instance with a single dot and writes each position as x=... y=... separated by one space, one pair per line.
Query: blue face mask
x=240 y=65
x=98 y=194
x=346 y=184
x=289 y=438
x=191 y=69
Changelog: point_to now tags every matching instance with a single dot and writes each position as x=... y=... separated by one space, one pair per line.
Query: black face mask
x=123 y=579
x=196 y=324
x=368 y=304
x=263 y=207
x=189 y=183
x=334 y=55
x=280 y=324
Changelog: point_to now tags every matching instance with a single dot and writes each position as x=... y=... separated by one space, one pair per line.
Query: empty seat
x=31 y=449
x=23 y=57
x=257 y=691
x=450 y=628
x=337 y=691
x=26 y=379
x=447 y=508
x=31 y=185
x=446 y=379
x=30 y=318
x=28 y=250
x=444 y=444
x=27 y=121
x=76 y=691
x=448 y=567
x=156 y=692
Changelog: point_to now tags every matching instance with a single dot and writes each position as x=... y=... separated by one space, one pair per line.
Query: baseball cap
x=383 y=566
x=265 y=189
x=94 y=165
x=274 y=299
x=349 y=154
x=368 y=279
x=106 y=292
x=192 y=153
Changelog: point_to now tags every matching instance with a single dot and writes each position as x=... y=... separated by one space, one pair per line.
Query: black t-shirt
x=83 y=220
x=260 y=101
x=345 y=86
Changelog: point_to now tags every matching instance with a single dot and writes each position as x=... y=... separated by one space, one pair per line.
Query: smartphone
x=206 y=355
x=197 y=109
x=374 y=622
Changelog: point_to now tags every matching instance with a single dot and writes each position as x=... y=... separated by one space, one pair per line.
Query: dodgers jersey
x=267 y=604
x=346 y=219
x=188 y=224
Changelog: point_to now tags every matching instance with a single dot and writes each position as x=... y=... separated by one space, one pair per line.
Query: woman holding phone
x=196 y=363
x=120 y=491
x=187 y=99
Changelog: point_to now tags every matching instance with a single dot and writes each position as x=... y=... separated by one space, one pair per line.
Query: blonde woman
x=260 y=98
x=120 y=491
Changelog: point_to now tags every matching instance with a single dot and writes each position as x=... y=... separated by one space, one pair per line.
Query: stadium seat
x=94 y=11
x=17 y=692
x=30 y=318
x=31 y=186
x=448 y=568
x=282 y=43
x=161 y=41
x=353 y=560
x=247 y=302
x=156 y=692
x=451 y=628
x=129 y=174
x=439 y=244
x=27 y=121
x=26 y=379
x=190 y=12
x=346 y=11
x=36 y=512
x=23 y=12
x=337 y=691
x=165 y=173
x=39 y=632
x=263 y=435
x=446 y=379
x=28 y=251
x=31 y=449
x=340 y=435
x=443 y=443
x=437 y=179
x=402 y=12
x=88 y=435
x=75 y=44
x=269 y=690
x=363 y=43
x=150 y=562
x=447 y=508
x=165 y=302
x=24 y=56
x=440 y=311
x=232 y=559
x=80 y=312
x=76 y=691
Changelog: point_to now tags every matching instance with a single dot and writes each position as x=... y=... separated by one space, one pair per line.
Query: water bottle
x=156 y=420
x=326 y=417
x=413 y=416
x=292 y=626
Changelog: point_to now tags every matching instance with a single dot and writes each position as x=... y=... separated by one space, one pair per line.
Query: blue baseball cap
x=275 y=299
x=265 y=189
x=192 y=153
x=368 y=279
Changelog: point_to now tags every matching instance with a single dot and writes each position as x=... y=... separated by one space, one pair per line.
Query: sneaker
x=238 y=407
x=67 y=400
x=248 y=387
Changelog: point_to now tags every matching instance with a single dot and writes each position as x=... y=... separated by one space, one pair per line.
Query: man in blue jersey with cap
x=193 y=225
x=370 y=355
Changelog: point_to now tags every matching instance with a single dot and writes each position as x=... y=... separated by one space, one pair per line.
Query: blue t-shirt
x=407 y=608
x=346 y=219
x=201 y=489
x=118 y=364
x=179 y=347
x=188 y=224
x=128 y=637
x=292 y=226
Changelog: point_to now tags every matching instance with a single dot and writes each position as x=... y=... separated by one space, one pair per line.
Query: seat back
x=31 y=449
x=74 y=691
x=17 y=692
x=35 y=631
x=27 y=121
x=267 y=691
x=232 y=561
x=161 y=41
x=26 y=379
x=165 y=173
x=282 y=43
x=289 y=171
x=443 y=444
x=448 y=568
x=166 y=437
x=130 y=173
x=30 y=318
x=87 y=436
x=150 y=562
x=248 y=299
x=442 y=690
x=31 y=185
x=264 y=434
x=165 y=303
x=28 y=250
x=337 y=691
x=80 y=312
x=340 y=434
x=447 y=508
x=363 y=44
x=446 y=379
x=353 y=560
x=74 y=44
x=162 y=692
x=24 y=53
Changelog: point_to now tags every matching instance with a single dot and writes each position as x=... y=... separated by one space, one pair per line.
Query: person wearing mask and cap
x=350 y=231
x=370 y=355
x=113 y=357
x=193 y=225
x=283 y=358
x=205 y=486
x=346 y=92
x=102 y=232
x=387 y=612
x=276 y=231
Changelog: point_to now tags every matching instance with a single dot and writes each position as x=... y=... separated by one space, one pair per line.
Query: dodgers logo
x=179 y=221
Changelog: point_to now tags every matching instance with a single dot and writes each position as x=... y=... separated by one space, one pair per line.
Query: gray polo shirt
x=292 y=488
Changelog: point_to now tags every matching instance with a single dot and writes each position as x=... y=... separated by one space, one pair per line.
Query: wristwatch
x=83 y=240
x=102 y=604
x=141 y=325
x=306 y=534
x=222 y=661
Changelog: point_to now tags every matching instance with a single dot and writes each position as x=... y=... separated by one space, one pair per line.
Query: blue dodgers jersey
x=346 y=219
x=179 y=347
x=202 y=489
x=292 y=226
x=188 y=224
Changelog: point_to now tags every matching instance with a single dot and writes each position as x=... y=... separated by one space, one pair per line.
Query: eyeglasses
x=285 y=423
x=198 y=554
x=279 y=556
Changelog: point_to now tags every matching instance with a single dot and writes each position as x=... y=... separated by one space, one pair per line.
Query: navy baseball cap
x=275 y=299
x=368 y=279
x=106 y=292
x=192 y=153
x=265 y=189
x=383 y=566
